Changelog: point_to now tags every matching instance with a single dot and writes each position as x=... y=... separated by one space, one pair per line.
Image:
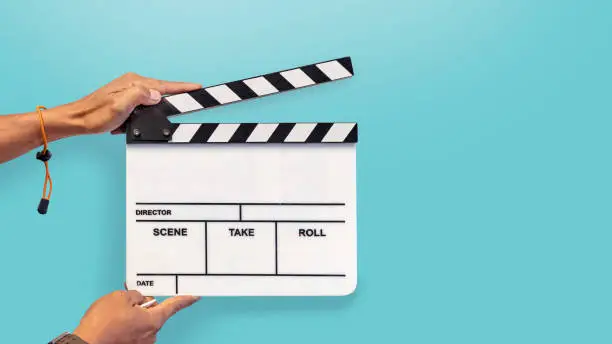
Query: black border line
x=238 y=275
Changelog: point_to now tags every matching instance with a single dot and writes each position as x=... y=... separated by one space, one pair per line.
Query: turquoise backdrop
x=484 y=172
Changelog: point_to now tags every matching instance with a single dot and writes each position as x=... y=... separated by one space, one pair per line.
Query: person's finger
x=137 y=95
x=162 y=312
x=134 y=297
x=120 y=130
x=149 y=303
x=150 y=298
x=152 y=339
x=146 y=298
x=170 y=87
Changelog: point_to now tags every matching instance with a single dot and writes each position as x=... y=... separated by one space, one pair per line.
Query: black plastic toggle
x=43 y=206
x=46 y=156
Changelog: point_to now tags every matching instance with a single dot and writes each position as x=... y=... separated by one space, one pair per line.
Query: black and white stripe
x=256 y=87
x=264 y=133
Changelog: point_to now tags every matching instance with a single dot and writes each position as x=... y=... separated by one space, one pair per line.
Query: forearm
x=101 y=111
x=22 y=133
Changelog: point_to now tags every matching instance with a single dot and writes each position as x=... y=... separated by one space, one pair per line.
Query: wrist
x=63 y=121
x=88 y=337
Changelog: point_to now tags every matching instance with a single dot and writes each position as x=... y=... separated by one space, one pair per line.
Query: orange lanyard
x=44 y=156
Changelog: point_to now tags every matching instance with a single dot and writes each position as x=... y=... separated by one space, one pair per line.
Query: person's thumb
x=171 y=306
x=137 y=95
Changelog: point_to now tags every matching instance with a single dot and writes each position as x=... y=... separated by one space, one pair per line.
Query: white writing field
x=209 y=215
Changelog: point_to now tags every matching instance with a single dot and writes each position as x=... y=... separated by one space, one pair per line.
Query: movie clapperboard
x=242 y=209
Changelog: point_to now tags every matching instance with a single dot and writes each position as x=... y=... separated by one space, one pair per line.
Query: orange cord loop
x=44 y=156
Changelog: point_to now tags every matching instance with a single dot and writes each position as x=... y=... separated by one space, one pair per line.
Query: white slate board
x=244 y=210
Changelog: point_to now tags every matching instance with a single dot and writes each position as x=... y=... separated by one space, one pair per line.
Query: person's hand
x=117 y=318
x=107 y=108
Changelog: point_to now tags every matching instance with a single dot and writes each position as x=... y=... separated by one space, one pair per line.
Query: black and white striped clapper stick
x=264 y=133
x=259 y=86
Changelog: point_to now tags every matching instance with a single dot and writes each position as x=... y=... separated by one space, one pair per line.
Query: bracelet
x=44 y=156
x=67 y=338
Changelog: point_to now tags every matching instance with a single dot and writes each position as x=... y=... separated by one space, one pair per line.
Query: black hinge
x=148 y=124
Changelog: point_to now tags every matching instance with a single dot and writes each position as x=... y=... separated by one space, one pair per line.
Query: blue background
x=483 y=165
